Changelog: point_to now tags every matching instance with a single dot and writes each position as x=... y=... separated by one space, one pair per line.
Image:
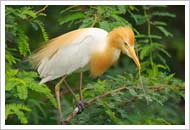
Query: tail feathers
x=48 y=78
x=44 y=80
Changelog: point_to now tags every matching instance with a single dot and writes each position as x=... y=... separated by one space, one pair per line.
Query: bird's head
x=123 y=38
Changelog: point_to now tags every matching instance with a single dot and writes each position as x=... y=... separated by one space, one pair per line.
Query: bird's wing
x=51 y=47
x=66 y=59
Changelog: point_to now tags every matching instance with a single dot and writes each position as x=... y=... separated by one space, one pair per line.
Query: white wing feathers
x=62 y=57
x=66 y=60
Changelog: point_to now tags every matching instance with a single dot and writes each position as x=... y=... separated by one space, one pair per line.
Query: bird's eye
x=126 y=44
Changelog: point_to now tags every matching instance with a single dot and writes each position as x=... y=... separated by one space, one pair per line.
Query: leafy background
x=160 y=46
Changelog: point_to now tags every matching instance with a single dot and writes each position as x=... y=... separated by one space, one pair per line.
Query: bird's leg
x=57 y=94
x=80 y=87
x=80 y=104
x=70 y=89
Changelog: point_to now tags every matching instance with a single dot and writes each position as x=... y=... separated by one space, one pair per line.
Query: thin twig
x=95 y=20
x=141 y=82
x=41 y=10
x=28 y=18
x=105 y=94
x=87 y=104
x=66 y=91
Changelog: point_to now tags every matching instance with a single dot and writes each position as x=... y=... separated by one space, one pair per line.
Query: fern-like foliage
x=42 y=28
x=18 y=110
x=150 y=48
x=22 y=42
x=16 y=21
x=20 y=83
x=105 y=17
x=157 y=102
x=121 y=108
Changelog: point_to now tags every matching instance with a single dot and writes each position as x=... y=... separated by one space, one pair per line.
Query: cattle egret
x=92 y=49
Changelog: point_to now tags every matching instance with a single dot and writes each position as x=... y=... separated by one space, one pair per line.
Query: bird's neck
x=101 y=61
x=112 y=53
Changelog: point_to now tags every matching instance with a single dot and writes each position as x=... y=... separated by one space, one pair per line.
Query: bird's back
x=69 y=52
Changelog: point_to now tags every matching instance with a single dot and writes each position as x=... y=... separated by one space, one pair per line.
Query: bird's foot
x=81 y=105
x=64 y=122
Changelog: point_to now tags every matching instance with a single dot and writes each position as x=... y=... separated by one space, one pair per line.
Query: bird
x=84 y=49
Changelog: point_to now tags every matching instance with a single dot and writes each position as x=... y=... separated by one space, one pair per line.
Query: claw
x=65 y=123
x=81 y=106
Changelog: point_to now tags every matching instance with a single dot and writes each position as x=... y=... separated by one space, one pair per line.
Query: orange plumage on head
x=120 y=34
x=100 y=62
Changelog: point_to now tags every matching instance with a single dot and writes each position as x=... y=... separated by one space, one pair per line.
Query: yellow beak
x=134 y=57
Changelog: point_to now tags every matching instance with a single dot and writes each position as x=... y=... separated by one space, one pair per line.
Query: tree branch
x=88 y=103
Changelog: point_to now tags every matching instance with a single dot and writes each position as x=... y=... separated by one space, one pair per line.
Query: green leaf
x=38 y=105
x=105 y=25
x=28 y=11
x=132 y=7
x=160 y=23
x=148 y=7
x=165 y=14
x=163 y=60
x=148 y=36
x=23 y=44
x=120 y=19
x=133 y=92
x=122 y=9
x=17 y=109
x=67 y=9
x=22 y=92
x=164 y=31
x=113 y=117
x=11 y=72
x=10 y=58
x=43 y=30
x=34 y=25
x=43 y=89
x=28 y=74
x=87 y=22
x=116 y=24
x=71 y=17
x=145 y=52
x=164 y=51
x=10 y=85
x=18 y=81
x=169 y=77
x=161 y=66
x=9 y=26
x=139 y=19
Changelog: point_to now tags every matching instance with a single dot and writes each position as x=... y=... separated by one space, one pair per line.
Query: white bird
x=92 y=49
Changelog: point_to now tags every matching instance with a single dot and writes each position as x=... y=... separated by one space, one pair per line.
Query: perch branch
x=88 y=103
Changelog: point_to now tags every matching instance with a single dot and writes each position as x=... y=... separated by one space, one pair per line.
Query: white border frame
x=186 y=3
